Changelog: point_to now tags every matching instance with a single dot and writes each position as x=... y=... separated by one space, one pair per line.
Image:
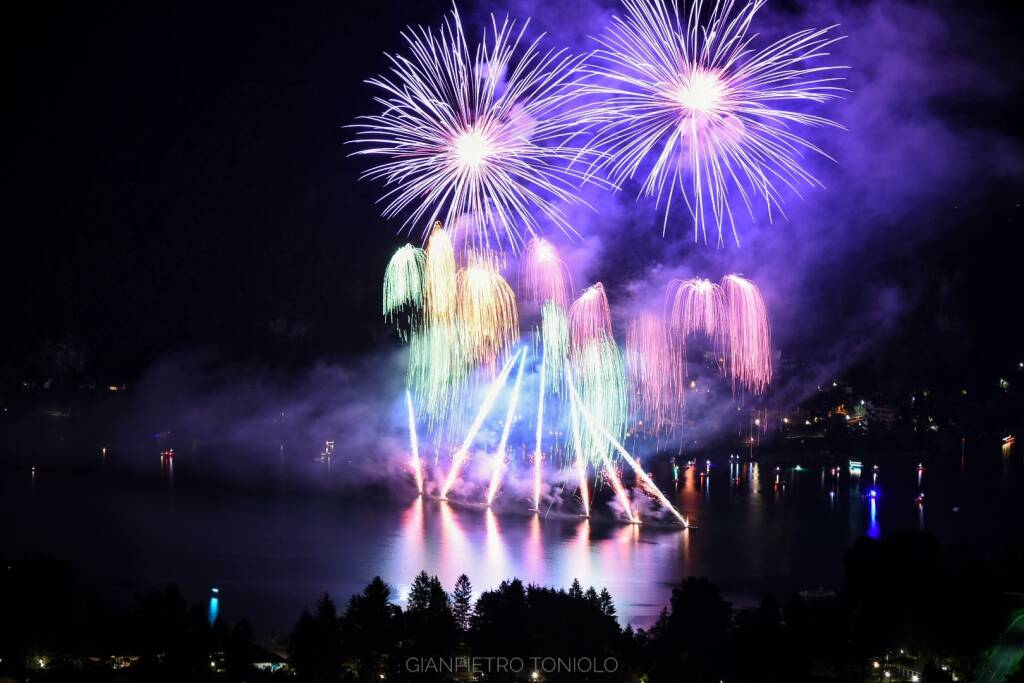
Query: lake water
x=272 y=554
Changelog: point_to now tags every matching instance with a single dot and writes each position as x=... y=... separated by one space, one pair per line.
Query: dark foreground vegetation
x=909 y=610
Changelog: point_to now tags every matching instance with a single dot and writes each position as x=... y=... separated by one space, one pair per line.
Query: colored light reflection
x=874 y=531
x=495 y=555
x=214 y=605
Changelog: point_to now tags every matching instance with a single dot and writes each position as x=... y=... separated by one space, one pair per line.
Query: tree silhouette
x=239 y=650
x=430 y=627
x=462 y=606
x=315 y=645
x=689 y=641
x=371 y=630
x=607 y=605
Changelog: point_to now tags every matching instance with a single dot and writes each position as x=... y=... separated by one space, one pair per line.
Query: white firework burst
x=476 y=137
x=688 y=101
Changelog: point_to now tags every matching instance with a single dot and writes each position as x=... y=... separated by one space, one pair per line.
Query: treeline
x=903 y=593
x=904 y=596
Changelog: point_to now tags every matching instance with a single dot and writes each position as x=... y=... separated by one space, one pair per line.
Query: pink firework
x=655 y=364
x=698 y=305
x=749 y=335
x=545 y=277
x=590 y=317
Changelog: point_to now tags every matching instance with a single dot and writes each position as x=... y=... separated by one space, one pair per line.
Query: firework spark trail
x=595 y=425
x=414 y=445
x=554 y=337
x=538 y=454
x=481 y=132
x=545 y=277
x=460 y=455
x=499 y=457
x=488 y=319
x=437 y=365
x=580 y=464
x=440 y=273
x=604 y=391
x=590 y=317
x=436 y=370
x=655 y=366
x=403 y=282
x=698 y=305
x=620 y=491
x=693 y=104
x=750 y=341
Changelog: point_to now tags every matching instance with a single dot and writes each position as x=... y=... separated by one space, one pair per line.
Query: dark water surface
x=272 y=554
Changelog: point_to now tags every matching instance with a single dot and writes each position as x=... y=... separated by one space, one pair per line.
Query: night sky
x=179 y=180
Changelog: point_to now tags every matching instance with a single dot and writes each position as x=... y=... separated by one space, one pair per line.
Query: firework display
x=477 y=134
x=697 y=305
x=546 y=278
x=403 y=282
x=499 y=457
x=597 y=393
x=590 y=318
x=414 y=443
x=480 y=143
x=684 y=99
x=750 y=343
x=655 y=365
x=488 y=319
x=554 y=339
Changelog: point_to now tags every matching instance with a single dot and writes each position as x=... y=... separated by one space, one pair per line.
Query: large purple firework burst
x=683 y=99
x=478 y=138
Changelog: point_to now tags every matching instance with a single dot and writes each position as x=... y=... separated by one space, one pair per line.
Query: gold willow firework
x=690 y=104
x=480 y=132
x=488 y=320
x=437 y=365
x=545 y=277
x=440 y=275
